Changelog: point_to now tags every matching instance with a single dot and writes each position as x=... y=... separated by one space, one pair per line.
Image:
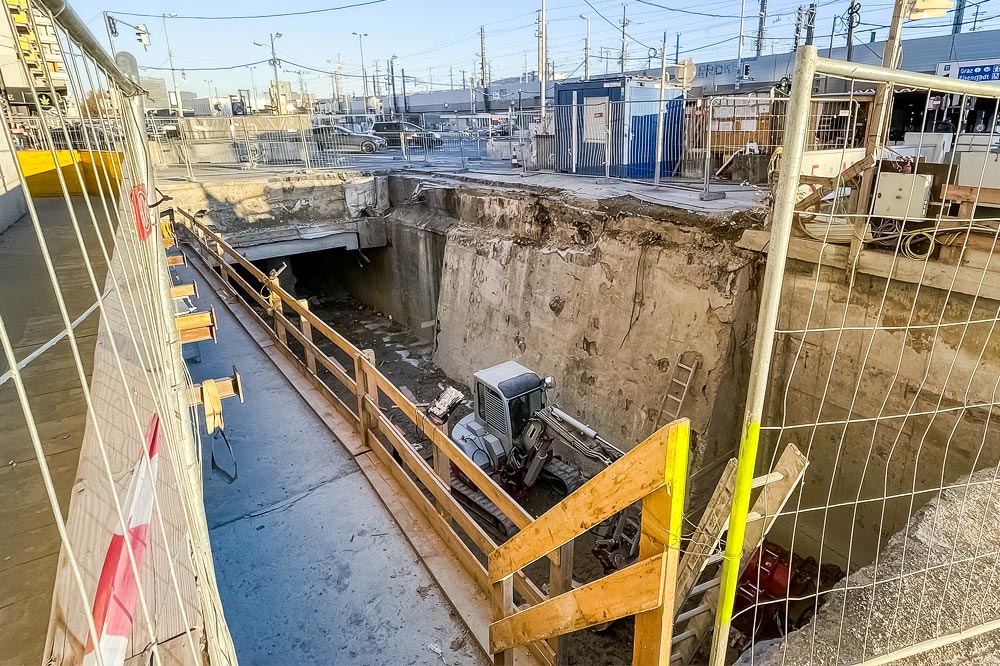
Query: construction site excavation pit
x=613 y=297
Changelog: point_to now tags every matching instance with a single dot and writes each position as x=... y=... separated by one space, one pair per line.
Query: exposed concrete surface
x=311 y=567
x=604 y=296
x=897 y=375
x=949 y=573
x=303 y=213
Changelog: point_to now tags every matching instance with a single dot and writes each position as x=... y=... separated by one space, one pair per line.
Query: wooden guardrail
x=373 y=393
x=654 y=473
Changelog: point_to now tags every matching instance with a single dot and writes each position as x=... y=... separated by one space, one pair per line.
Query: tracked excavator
x=517 y=435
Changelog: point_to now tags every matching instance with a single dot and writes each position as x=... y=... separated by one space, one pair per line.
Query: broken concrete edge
x=471 y=604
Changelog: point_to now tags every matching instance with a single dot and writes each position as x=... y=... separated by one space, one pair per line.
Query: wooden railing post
x=307 y=333
x=503 y=606
x=365 y=385
x=442 y=467
x=277 y=307
x=661 y=536
x=561 y=581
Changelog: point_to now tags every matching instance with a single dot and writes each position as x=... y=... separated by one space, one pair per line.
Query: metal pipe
x=781 y=227
x=74 y=26
x=876 y=74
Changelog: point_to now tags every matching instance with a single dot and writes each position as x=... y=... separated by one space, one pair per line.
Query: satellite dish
x=685 y=72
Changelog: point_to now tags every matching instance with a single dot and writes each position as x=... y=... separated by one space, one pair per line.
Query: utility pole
x=451 y=77
x=677 y=50
x=956 y=26
x=463 y=78
x=274 y=67
x=739 y=45
x=378 y=92
x=364 y=74
x=853 y=18
x=173 y=72
x=811 y=24
x=524 y=75
x=482 y=57
x=346 y=104
x=405 y=105
x=391 y=66
x=624 y=40
x=542 y=58
x=798 y=28
x=472 y=88
x=761 y=24
x=586 y=50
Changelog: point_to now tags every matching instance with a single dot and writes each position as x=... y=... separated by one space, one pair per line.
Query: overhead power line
x=255 y=16
x=687 y=11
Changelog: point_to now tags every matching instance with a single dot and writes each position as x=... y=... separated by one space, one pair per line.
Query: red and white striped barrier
x=117 y=589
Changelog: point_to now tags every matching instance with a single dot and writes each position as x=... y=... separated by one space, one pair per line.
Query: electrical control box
x=902 y=195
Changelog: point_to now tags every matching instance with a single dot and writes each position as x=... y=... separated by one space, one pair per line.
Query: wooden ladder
x=700 y=590
x=680 y=381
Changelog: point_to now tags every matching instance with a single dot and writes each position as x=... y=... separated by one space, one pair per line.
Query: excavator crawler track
x=563 y=473
x=484 y=507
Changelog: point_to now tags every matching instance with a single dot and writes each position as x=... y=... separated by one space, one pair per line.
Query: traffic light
x=112 y=25
x=921 y=9
x=142 y=35
x=746 y=70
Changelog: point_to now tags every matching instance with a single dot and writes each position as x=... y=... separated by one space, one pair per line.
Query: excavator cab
x=505 y=398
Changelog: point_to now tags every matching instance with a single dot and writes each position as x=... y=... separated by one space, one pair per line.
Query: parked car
x=395 y=131
x=337 y=138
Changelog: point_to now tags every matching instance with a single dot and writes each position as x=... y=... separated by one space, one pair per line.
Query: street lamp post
x=253 y=86
x=274 y=67
x=586 y=50
x=364 y=73
x=173 y=72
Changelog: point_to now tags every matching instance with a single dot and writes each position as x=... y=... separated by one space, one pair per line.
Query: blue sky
x=432 y=36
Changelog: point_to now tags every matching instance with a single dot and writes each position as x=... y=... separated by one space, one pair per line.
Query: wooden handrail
x=641 y=471
x=371 y=421
x=655 y=472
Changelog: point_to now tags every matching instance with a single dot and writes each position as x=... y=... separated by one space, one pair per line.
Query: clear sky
x=436 y=39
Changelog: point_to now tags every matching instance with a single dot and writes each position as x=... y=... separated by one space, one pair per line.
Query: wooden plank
x=335 y=368
x=444 y=499
x=964 y=280
x=662 y=511
x=620 y=594
x=773 y=496
x=629 y=479
x=434 y=484
x=705 y=537
x=514 y=511
x=984 y=196
x=176 y=260
x=560 y=582
x=189 y=290
x=191 y=226
x=502 y=599
x=307 y=338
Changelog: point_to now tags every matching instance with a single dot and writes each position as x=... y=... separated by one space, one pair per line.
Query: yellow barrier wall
x=43 y=181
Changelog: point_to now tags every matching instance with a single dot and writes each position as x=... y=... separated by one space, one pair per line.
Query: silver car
x=341 y=139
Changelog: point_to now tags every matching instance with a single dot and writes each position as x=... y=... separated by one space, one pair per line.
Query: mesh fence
x=877 y=357
x=102 y=501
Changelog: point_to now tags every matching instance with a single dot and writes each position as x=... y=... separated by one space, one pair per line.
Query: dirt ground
x=406 y=360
